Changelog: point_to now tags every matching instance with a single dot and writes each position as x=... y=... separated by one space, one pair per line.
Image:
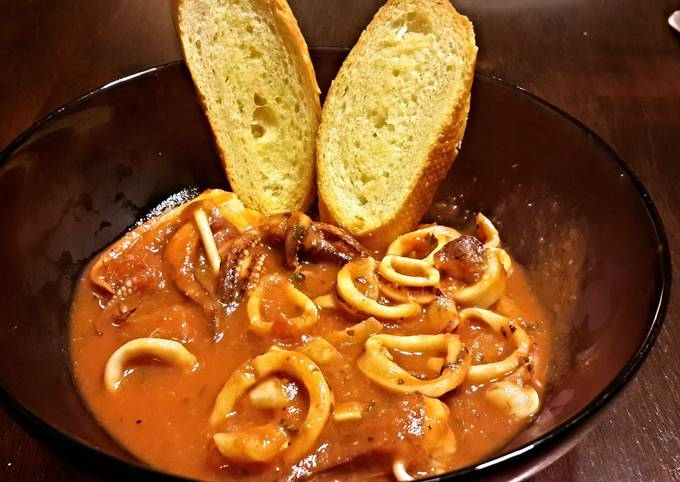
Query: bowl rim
x=657 y=313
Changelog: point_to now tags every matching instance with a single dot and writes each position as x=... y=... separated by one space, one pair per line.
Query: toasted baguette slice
x=252 y=69
x=394 y=118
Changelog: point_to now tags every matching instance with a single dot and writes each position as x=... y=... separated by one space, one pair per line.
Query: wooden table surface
x=613 y=64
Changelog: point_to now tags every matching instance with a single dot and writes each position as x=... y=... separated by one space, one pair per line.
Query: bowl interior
x=566 y=208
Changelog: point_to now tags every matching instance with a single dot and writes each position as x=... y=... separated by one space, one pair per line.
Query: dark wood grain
x=613 y=64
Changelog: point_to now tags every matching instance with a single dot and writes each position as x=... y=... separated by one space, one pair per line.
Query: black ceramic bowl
x=568 y=208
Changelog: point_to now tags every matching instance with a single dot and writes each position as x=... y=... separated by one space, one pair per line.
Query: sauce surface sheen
x=161 y=414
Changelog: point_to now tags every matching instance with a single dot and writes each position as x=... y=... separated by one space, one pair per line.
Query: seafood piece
x=409 y=272
x=488 y=289
x=463 y=258
x=320 y=351
x=104 y=272
x=169 y=351
x=508 y=329
x=253 y=444
x=488 y=234
x=402 y=294
x=266 y=442
x=423 y=243
x=348 y=412
x=400 y=473
x=298 y=233
x=377 y=364
x=203 y=226
x=362 y=271
x=522 y=402
x=328 y=301
x=439 y=442
x=357 y=333
x=269 y=395
x=181 y=257
x=299 y=324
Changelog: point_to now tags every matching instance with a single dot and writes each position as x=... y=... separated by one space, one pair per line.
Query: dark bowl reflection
x=568 y=208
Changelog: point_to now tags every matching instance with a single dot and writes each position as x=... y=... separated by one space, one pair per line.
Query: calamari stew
x=216 y=343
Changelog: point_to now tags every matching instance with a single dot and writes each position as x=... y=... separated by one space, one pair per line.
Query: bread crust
x=292 y=39
x=441 y=154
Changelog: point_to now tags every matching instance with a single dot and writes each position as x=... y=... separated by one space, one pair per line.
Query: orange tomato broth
x=160 y=414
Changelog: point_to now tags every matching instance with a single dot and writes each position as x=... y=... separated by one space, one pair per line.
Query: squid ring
x=169 y=351
x=422 y=296
x=357 y=333
x=437 y=235
x=504 y=258
x=252 y=444
x=428 y=275
x=240 y=381
x=351 y=294
x=376 y=363
x=488 y=232
x=500 y=324
x=488 y=289
x=306 y=320
x=299 y=367
x=400 y=473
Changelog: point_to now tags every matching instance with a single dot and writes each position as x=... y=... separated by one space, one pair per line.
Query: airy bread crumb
x=252 y=70
x=394 y=118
